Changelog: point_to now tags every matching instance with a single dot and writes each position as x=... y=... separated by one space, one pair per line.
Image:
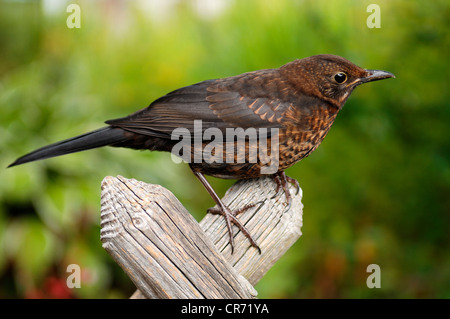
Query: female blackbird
x=262 y=123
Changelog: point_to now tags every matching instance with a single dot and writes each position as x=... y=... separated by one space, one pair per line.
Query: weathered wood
x=167 y=255
x=161 y=246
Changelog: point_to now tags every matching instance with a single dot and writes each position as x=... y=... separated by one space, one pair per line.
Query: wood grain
x=167 y=254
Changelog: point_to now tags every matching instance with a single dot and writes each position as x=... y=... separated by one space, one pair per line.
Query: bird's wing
x=240 y=101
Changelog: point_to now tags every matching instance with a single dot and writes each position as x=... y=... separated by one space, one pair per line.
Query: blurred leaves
x=376 y=191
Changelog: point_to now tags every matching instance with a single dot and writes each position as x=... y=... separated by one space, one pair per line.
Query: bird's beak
x=375 y=75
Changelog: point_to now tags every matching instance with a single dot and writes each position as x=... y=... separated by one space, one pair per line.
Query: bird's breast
x=301 y=138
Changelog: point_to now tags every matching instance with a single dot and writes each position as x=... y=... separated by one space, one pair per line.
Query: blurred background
x=375 y=192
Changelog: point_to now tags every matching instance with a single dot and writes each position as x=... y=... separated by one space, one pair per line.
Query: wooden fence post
x=167 y=254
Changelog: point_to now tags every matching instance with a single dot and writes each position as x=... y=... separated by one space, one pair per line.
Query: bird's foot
x=230 y=218
x=282 y=180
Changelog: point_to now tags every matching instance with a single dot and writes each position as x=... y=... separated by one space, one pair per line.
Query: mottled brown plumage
x=301 y=99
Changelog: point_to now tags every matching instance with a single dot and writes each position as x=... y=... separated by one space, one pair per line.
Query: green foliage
x=376 y=190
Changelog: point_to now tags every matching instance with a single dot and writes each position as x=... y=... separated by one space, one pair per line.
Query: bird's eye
x=340 y=77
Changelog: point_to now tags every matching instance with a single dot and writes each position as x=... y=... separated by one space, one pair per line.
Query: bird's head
x=331 y=77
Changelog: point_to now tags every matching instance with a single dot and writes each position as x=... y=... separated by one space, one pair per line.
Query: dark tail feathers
x=98 y=138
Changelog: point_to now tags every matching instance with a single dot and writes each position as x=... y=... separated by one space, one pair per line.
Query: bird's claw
x=282 y=180
x=230 y=218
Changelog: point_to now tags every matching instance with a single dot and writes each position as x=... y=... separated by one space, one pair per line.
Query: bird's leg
x=214 y=210
x=230 y=216
x=282 y=180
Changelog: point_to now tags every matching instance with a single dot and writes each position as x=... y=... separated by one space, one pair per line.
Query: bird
x=289 y=109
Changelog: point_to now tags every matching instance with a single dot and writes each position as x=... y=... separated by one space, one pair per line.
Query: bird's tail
x=102 y=137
